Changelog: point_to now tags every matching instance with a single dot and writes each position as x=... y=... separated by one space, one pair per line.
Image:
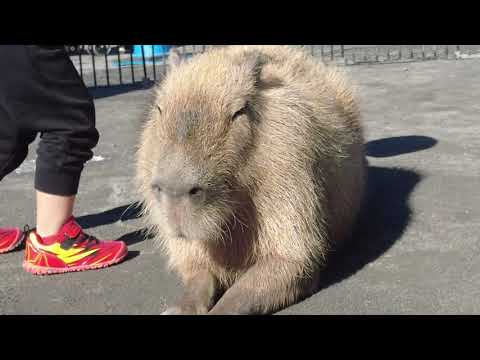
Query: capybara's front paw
x=172 y=311
x=185 y=310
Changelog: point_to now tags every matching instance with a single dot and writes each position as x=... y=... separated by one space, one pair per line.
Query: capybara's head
x=198 y=139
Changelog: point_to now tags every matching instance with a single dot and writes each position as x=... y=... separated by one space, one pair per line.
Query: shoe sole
x=15 y=245
x=41 y=270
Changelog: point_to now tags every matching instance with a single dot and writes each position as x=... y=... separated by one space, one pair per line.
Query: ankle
x=53 y=211
x=49 y=229
x=45 y=233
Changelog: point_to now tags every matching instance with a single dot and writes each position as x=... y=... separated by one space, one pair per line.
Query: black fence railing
x=110 y=65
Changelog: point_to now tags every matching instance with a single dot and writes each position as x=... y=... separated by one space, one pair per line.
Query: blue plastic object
x=151 y=50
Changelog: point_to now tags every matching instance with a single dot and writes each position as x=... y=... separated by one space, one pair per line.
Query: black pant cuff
x=56 y=183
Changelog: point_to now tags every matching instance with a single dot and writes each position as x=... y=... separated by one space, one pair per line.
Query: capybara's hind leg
x=199 y=296
x=265 y=288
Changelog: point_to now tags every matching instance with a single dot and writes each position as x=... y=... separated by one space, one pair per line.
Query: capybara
x=251 y=169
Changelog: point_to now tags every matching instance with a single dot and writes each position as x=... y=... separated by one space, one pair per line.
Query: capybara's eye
x=240 y=112
x=195 y=191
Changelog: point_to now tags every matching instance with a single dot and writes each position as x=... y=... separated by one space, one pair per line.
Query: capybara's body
x=252 y=169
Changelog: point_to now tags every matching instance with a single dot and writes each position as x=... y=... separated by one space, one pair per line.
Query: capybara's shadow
x=382 y=221
x=131 y=254
x=398 y=145
x=136 y=237
x=385 y=213
x=121 y=213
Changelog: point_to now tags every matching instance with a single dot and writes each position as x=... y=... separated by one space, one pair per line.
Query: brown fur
x=283 y=183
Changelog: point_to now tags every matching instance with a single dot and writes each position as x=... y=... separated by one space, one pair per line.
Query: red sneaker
x=70 y=250
x=10 y=238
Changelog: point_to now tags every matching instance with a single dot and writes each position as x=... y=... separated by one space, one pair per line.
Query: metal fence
x=113 y=65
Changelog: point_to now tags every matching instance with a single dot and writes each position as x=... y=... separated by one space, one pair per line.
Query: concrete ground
x=416 y=250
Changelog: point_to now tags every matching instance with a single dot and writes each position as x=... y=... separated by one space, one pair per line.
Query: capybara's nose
x=177 y=188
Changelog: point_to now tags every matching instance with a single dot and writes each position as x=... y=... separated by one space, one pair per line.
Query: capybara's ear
x=254 y=62
x=174 y=59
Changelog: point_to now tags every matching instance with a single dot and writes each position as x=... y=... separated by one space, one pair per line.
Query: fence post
x=131 y=67
x=80 y=61
x=119 y=67
x=106 y=69
x=94 y=71
x=153 y=60
x=144 y=64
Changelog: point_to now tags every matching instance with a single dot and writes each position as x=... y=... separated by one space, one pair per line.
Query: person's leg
x=65 y=115
x=13 y=141
x=52 y=210
x=49 y=98
x=13 y=151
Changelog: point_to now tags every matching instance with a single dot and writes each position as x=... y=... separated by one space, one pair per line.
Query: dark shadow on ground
x=121 y=213
x=112 y=90
x=399 y=145
x=383 y=219
x=131 y=255
x=385 y=214
x=136 y=237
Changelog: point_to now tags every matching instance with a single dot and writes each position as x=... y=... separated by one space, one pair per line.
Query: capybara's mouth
x=181 y=235
x=176 y=232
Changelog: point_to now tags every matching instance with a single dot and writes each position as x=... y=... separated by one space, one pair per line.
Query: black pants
x=42 y=93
